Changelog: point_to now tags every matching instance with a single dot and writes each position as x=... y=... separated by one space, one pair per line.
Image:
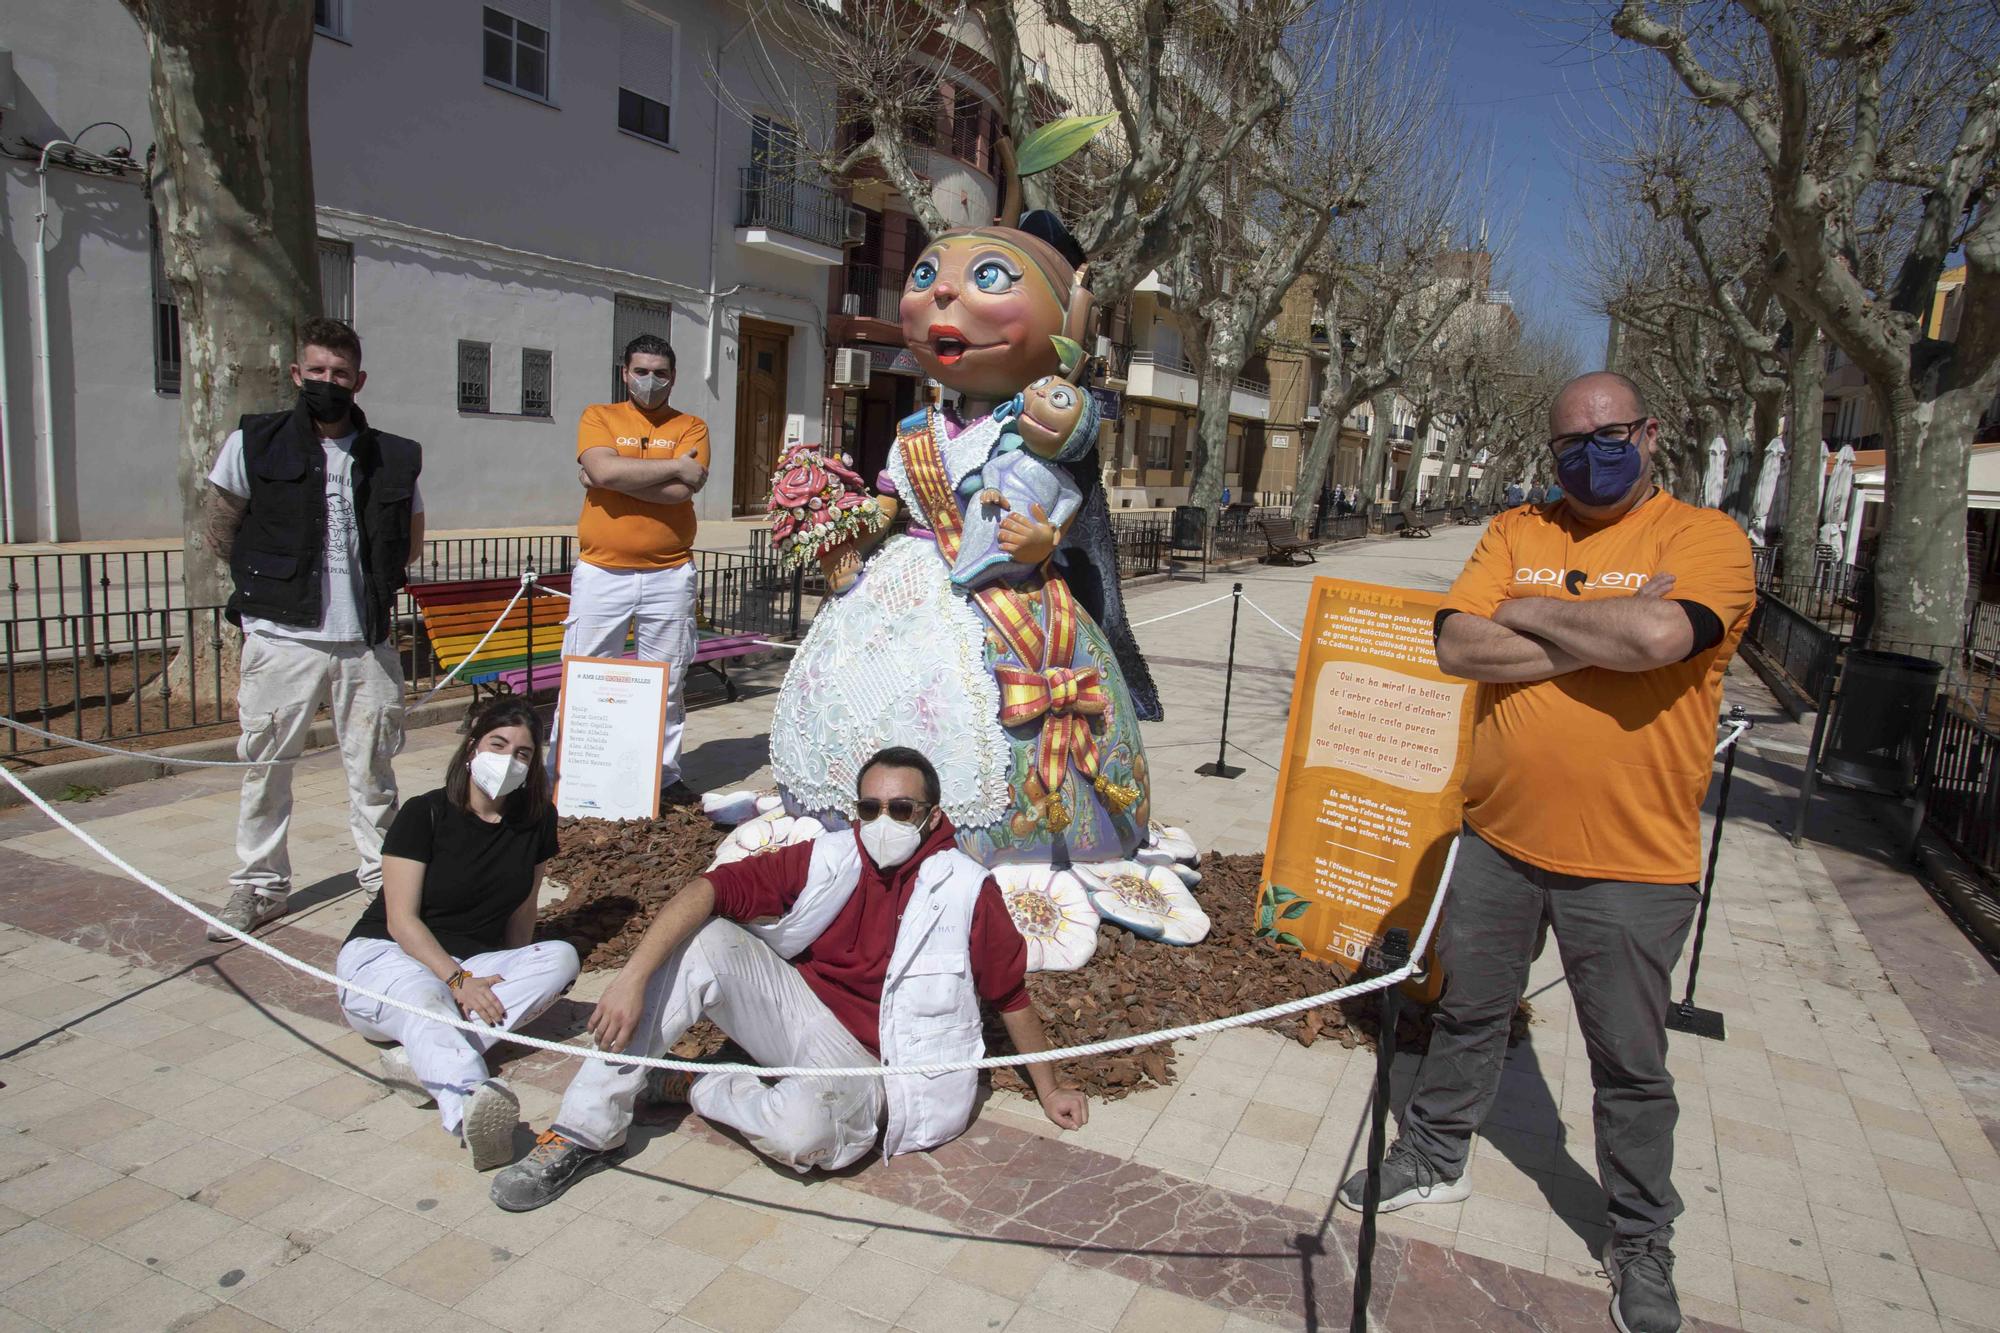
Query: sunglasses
x=902 y=809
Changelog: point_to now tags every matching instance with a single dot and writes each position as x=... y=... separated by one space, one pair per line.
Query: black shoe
x=1643 y=1299
x=678 y=794
x=1408 y=1177
x=551 y=1167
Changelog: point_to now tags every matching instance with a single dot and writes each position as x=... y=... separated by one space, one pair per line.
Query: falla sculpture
x=974 y=611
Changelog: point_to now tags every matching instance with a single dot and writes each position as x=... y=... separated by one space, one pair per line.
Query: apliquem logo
x=1577 y=581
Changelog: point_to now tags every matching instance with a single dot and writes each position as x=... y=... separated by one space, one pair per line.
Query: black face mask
x=326 y=401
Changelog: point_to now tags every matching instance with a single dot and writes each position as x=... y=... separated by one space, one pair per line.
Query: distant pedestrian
x=642 y=462
x=317 y=513
x=1515 y=495
x=1599 y=629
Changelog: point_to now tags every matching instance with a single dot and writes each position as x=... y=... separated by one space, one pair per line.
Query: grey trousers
x=1619 y=942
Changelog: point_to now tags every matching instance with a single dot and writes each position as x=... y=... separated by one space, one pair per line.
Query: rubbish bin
x=1881 y=721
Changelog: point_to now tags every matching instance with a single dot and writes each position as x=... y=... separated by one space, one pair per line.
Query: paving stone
x=724 y=1231
x=380 y=1307
x=32 y=1247
x=1092 y=1297
x=743 y=1302
x=950 y=1306
x=64 y=1179
x=66 y=1291
x=1003 y=1269
x=155 y=1302
x=877 y=1286
x=110 y=1209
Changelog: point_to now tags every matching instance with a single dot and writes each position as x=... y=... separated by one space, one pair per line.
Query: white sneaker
x=491 y=1114
x=394 y=1064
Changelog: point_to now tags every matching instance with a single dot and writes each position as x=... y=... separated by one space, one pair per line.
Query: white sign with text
x=614 y=716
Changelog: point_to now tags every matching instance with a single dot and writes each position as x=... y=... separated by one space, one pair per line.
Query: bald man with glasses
x=1599 y=626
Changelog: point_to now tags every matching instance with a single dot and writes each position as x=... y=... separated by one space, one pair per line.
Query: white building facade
x=507 y=191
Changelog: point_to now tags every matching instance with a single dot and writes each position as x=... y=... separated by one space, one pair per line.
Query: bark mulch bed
x=619 y=874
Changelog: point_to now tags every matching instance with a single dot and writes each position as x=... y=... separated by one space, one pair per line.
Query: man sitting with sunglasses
x=1599 y=627
x=872 y=943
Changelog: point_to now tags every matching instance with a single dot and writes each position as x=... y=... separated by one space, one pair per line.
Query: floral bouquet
x=819 y=509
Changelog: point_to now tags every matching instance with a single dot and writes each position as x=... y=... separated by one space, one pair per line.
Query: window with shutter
x=646 y=59
x=475 y=376
x=537 y=382
x=336 y=280
x=517 y=48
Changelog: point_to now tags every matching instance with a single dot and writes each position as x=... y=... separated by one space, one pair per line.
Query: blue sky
x=1521 y=77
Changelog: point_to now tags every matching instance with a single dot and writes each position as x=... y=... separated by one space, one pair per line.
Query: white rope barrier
x=1736 y=730
x=1268 y=616
x=78 y=743
x=1137 y=624
x=1275 y=1011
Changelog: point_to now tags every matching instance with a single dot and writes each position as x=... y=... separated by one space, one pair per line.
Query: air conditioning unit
x=1103 y=347
x=1312 y=412
x=851 y=368
x=857 y=226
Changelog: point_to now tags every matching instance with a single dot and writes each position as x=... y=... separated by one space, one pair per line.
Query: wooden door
x=762 y=370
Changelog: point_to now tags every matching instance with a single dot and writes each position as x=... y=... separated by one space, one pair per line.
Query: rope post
x=1393 y=954
x=1685 y=1016
x=528 y=606
x=1222 y=768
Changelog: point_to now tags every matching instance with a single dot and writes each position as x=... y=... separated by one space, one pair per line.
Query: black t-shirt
x=475 y=873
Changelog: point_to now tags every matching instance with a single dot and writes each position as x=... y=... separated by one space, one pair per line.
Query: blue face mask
x=1599 y=472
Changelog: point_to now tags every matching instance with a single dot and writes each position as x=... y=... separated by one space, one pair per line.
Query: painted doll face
x=1050 y=408
x=978 y=314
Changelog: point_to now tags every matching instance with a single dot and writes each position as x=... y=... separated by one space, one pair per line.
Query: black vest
x=280 y=549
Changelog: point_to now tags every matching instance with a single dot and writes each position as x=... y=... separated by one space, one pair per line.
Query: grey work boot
x=551 y=1166
x=1408 y=1177
x=1643 y=1299
x=246 y=910
x=490 y=1116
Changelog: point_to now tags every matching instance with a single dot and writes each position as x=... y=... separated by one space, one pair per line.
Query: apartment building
x=507 y=191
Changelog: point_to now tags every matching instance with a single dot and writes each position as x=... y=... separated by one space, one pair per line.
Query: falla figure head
x=983 y=306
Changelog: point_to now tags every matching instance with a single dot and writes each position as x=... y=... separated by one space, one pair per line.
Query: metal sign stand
x=1222 y=768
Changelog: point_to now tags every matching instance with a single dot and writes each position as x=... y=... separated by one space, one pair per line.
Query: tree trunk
x=1449 y=484
x=1805 y=463
x=235 y=201
x=1211 y=425
x=1314 y=466
x=1918 y=591
x=1407 y=499
x=1375 y=461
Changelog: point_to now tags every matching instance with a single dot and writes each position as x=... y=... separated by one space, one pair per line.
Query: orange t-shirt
x=1601 y=773
x=619 y=531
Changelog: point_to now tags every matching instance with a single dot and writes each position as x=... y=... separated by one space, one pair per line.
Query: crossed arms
x=1537 y=638
x=658 y=480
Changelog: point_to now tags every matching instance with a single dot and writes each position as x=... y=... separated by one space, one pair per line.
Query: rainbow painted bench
x=525 y=653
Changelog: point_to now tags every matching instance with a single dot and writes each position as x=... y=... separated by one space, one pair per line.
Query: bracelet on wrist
x=456 y=979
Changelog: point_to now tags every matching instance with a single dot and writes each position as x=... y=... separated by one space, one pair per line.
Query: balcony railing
x=1118 y=365
x=793 y=206
x=867 y=295
x=1249 y=385
x=1175 y=361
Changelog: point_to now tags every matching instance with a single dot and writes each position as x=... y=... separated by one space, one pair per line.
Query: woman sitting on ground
x=451 y=929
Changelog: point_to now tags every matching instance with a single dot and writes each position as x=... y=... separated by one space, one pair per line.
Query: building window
x=646 y=52
x=166 y=321
x=1159 y=447
x=920 y=118
x=537 y=382
x=475 y=376
x=630 y=317
x=336 y=280
x=330 y=18
x=966 y=117
x=517 y=54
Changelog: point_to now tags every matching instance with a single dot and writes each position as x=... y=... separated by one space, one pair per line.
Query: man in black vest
x=317 y=513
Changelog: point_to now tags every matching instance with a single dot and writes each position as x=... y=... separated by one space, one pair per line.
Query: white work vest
x=930 y=1009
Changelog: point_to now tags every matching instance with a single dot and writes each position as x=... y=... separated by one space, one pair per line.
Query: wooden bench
x=457 y=614
x=712 y=651
x=1282 y=541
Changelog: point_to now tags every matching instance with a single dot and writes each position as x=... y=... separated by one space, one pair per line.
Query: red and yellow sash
x=1068 y=702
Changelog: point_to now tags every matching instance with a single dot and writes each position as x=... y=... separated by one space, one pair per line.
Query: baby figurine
x=1052 y=422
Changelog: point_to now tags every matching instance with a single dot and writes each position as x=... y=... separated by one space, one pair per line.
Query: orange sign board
x=1368 y=792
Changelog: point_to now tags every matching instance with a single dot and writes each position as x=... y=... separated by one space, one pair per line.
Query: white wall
x=474 y=213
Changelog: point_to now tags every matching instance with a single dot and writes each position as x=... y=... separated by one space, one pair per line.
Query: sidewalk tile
x=380 y=1241
x=110 y=1209
x=526 y=1297
x=1154 y=1311
x=1967 y=1302
x=1888 y=1279
x=1091 y=1296
x=724 y=1231
x=157 y=1302
x=63 y=1180
x=296 y=1293
x=1800 y=1303
x=743 y=1302
x=876 y=1285
x=379 y=1307
x=1961 y=1257
x=816 y=1314
x=1006 y=1270
x=803 y=1258
x=950 y=1306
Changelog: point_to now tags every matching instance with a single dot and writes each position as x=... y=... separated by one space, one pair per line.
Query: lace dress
x=904 y=659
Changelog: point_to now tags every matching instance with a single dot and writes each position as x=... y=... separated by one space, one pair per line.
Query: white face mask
x=497 y=774
x=648 y=390
x=889 y=842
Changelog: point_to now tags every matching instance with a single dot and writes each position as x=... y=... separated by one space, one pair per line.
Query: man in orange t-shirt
x=1599 y=628
x=641 y=464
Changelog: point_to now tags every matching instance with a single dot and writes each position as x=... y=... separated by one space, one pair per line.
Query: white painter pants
x=657 y=605
x=282 y=685
x=449 y=1062
x=730 y=977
